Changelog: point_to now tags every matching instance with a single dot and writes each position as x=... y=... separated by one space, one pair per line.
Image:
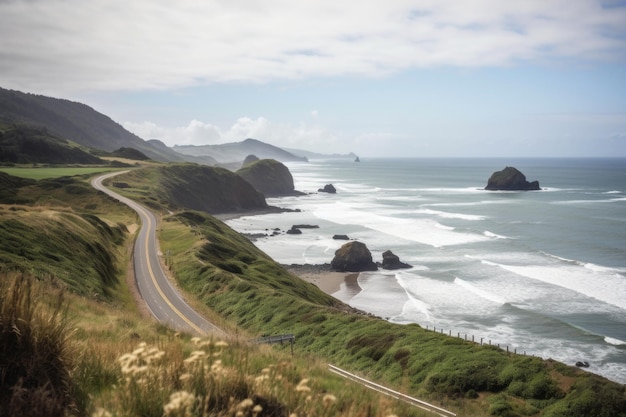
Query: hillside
x=76 y=122
x=269 y=177
x=20 y=144
x=197 y=187
x=238 y=281
x=236 y=152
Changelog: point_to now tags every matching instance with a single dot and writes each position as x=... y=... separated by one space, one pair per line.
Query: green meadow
x=38 y=173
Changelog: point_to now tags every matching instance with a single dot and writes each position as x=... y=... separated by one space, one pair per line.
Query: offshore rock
x=391 y=261
x=328 y=188
x=353 y=257
x=510 y=179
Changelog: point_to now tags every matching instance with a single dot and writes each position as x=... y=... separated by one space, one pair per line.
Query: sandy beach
x=331 y=282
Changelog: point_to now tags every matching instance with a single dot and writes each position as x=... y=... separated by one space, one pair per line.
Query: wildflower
x=221 y=343
x=328 y=400
x=184 y=376
x=101 y=412
x=195 y=356
x=302 y=386
x=257 y=409
x=245 y=404
x=180 y=403
x=195 y=340
x=217 y=366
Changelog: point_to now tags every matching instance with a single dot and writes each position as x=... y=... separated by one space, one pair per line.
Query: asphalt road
x=163 y=300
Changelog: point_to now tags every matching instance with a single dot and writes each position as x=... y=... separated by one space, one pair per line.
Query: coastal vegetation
x=65 y=249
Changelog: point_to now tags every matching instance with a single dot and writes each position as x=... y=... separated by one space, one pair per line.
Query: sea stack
x=510 y=179
x=353 y=257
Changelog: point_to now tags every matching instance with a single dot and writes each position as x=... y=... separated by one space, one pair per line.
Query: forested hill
x=76 y=122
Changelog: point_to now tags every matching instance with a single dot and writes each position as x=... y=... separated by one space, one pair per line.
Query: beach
x=331 y=282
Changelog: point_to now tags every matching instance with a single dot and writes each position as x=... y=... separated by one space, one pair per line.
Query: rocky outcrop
x=391 y=261
x=198 y=187
x=269 y=177
x=341 y=237
x=328 y=188
x=510 y=179
x=249 y=159
x=353 y=257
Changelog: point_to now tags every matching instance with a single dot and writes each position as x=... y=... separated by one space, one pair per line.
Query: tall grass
x=35 y=355
x=202 y=377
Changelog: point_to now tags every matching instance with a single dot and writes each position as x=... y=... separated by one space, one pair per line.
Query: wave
x=588 y=265
x=480 y=292
x=447 y=215
x=603 y=201
x=613 y=341
x=426 y=231
x=606 y=287
x=493 y=235
x=613 y=192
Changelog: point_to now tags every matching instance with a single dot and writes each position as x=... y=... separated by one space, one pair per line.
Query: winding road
x=163 y=300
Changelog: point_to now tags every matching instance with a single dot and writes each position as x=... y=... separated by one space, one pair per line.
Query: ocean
x=539 y=272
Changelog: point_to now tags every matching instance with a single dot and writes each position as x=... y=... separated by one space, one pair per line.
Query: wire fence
x=481 y=341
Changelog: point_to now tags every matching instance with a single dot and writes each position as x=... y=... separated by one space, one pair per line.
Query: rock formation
x=249 y=159
x=353 y=257
x=341 y=237
x=510 y=179
x=269 y=177
x=328 y=188
x=392 y=261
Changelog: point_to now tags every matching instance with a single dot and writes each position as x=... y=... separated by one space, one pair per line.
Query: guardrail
x=281 y=338
x=395 y=394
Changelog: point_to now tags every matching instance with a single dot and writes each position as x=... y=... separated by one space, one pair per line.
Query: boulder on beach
x=353 y=257
x=341 y=237
x=510 y=179
x=391 y=261
x=328 y=188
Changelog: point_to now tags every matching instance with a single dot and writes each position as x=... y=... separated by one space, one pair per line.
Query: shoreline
x=330 y=282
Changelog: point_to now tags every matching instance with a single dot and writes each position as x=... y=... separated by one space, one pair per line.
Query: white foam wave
x=480 y=292
x=607 y=287
x=613 y=341
x=425 y=231
x=454 y=190
x=467 y=204
x=447 y=215
x=493 y=235
x=603 y=201
x=613 y=192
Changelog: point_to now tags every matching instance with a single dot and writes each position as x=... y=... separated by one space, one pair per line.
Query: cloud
x=288 y=135
x=74 y=45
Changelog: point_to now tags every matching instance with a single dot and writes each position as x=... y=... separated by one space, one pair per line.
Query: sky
x=380 y=78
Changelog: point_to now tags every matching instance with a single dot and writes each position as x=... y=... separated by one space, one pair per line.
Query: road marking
x=160 y=291
x=97 y=182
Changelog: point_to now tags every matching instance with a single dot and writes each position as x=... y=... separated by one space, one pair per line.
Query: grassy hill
x=20 y=144
x=76 y=122
x=112 y=360
x=192 y=186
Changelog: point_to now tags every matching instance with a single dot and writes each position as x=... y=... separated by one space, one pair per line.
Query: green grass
x=243 y=285
x=38 y=173
x=64 y=230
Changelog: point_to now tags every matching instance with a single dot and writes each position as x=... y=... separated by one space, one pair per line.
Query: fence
x=475 y=340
